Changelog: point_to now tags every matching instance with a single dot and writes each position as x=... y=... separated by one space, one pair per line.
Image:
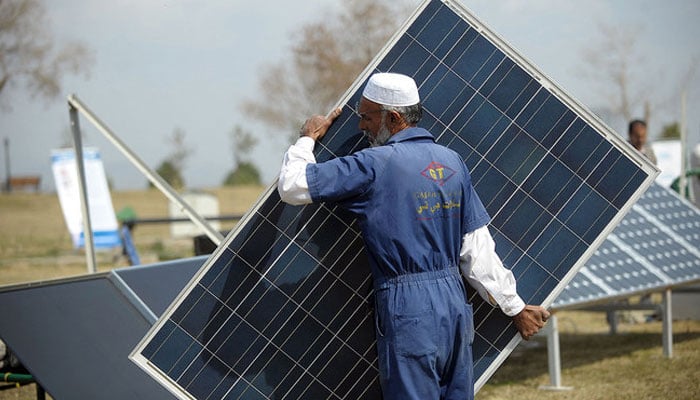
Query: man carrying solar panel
x=421 y=223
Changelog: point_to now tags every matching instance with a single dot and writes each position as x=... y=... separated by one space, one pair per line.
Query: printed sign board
x=102 y=217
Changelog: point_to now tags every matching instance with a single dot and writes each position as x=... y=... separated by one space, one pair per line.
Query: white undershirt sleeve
x=484 y=271
x=292 y=184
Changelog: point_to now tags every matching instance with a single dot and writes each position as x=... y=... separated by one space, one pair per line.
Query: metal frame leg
x=667 y=322
x=554 y=355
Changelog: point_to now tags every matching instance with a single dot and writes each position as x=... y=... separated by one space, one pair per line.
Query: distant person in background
x=637 y=137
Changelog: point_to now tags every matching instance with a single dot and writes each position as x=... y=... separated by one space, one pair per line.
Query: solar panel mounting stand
x=554 y=356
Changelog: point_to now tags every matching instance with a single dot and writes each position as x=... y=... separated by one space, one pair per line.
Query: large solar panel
x=282 y=309
x=656 y=246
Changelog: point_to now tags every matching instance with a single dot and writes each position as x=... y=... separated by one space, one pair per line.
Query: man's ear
x=395 y=117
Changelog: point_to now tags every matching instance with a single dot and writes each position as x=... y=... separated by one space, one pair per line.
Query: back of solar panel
x=282 y=309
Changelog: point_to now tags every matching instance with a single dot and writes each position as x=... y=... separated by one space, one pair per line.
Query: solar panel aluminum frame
x=545 y=82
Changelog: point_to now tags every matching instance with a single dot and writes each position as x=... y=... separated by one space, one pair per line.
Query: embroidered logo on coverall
x=438 y=172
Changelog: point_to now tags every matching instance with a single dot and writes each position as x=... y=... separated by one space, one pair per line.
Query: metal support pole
x=82 y=186
x=667 y=321
x=8 y=187
x=611 y=316
x=553 y=352
x=554 y=355
x=157 y=181
x=40 y=392
x=683 y=188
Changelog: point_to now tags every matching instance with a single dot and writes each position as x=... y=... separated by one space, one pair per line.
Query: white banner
x=102 y=217
x=668 y=159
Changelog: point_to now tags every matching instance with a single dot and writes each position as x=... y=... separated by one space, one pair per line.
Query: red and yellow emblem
x=438 y=172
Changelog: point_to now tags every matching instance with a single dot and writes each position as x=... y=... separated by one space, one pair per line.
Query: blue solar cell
x=477 y=62
x=564 y=124
x=493 y=83
x=520 y=157
x=158 y=339
x=455 y=53
x=171 y=349
x=413 y=59
x=423 y=19
x=566 y=137
x=510 y=89
x=548 y=119
x=446 y=95
x=290 y=290
x=442 y=35
x=591 y=207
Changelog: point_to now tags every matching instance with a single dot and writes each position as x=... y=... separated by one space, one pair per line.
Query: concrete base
x=556 y=388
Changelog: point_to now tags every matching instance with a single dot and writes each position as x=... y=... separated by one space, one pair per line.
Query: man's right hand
x=530 y=320
x=317 y=126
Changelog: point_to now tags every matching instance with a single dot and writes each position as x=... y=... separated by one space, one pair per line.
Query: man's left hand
x=316 y=126
x=530 y=320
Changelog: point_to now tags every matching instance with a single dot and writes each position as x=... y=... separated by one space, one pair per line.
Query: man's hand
x=530 y=320
x=316 y=126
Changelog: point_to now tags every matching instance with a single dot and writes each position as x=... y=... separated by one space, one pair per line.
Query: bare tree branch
x=326 y=57
x=612 y=63
x=28 y=57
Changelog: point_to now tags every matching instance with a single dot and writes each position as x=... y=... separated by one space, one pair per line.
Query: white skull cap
x=391 y=89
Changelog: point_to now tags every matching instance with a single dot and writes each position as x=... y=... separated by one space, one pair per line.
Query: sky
x=165 y=65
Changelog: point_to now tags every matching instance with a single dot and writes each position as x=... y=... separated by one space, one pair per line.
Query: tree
x=612 y=63
x=615 y=64
x=244 y=172
x=28 y=56
x=242 y=144
x=172 y=167
x=171 y=174
x=180 y=151
x=325 y=59
x=671 y=131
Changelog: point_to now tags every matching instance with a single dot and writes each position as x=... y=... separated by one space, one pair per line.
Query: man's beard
x=382 y=137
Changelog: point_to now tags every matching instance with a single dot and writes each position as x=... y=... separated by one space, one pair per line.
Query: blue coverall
x=415 y=201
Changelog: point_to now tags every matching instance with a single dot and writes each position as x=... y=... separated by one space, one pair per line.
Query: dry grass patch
x=629 y=365
x=35 y=244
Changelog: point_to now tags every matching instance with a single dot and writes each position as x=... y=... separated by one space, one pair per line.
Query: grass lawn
x=35 y=246
x=597 y=365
